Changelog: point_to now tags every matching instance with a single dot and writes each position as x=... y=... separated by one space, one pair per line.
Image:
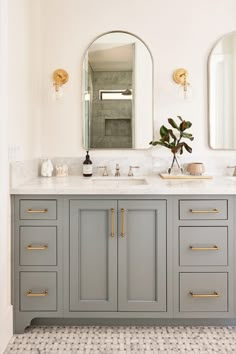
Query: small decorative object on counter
x=173 y=141
x=61 y=170
x=195 y=168
x=46 y=168
x=87 y=166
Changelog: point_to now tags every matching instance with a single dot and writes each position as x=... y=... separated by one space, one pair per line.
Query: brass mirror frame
x=82 y=98
x=208 y=91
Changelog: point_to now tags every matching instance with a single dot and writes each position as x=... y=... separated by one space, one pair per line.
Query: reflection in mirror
x=117 y=93
x=222 y=93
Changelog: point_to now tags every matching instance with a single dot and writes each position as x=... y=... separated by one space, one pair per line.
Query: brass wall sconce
x=59 y=77
x=180 y=76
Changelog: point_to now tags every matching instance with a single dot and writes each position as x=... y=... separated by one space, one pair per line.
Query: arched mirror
x=117 y=93
x=222 y=93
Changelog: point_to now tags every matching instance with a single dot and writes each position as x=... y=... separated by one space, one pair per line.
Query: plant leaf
x=188 y=136
x=163 y=143
x=185 y=125
x=180 y=118
x=189 y=124
x=163 y=131
x=173 y=124
x=187 y=148
x=172 y=135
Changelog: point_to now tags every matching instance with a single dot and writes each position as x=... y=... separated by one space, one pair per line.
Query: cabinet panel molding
x=142 y=256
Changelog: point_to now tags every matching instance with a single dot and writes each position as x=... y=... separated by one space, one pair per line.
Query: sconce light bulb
x=57 y=93
x=185 y=91
x=180 y=77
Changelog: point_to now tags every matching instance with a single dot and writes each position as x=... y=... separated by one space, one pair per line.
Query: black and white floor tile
x=124 y=340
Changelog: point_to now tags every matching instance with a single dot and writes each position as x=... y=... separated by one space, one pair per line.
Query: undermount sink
x=119 y=181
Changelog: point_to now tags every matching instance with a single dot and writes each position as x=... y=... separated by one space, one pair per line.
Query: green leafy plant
x=174 y=140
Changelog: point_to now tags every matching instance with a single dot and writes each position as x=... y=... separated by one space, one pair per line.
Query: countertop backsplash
x=23 y=171
x=148 y=161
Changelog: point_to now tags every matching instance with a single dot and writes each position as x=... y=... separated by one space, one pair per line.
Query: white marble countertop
x=154 y=186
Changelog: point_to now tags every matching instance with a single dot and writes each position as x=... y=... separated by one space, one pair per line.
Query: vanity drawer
x=38 y=245
x=203 y=209
x=203 y=246
x=38 y=291
x=203 y=292
x=38 y=209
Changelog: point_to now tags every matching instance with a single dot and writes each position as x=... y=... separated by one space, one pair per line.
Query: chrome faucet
x=117 y=174
x=105 y=173
x=130 y=173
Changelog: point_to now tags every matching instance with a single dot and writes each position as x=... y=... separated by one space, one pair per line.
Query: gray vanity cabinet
x=123 y=258
x=130 y=262
x=93 y=255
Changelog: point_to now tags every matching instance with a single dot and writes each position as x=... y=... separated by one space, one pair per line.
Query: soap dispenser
x=87 y=166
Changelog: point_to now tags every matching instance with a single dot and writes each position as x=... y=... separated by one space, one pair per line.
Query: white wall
x=24 y=78
x=5 y=303
x=20 y=123
x=178 y=33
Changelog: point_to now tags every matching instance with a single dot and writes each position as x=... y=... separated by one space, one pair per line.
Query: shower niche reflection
x=117 y=93
x=111 y=110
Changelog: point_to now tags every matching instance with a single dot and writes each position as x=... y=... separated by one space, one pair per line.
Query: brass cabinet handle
x=210 y=211
x=215 y=294
x=31 y=294
x=35 y=211
x=214 y=248
x=122 y=222
x=112 y=222
x=37 y=248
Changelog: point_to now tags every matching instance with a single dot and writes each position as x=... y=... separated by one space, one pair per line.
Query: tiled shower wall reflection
x=111 y=119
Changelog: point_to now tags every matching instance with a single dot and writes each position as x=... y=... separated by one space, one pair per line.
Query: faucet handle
x=117 y=173
x=234 y=174
x=130 y=173
x=105 y=173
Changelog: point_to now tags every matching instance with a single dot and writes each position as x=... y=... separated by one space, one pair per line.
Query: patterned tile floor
x=124 y=340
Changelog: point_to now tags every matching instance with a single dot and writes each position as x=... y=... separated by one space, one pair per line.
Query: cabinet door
x=93 y=255
x=142 y=255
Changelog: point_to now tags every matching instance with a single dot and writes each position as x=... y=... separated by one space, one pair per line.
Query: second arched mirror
x=117 y=93
x=222 y=93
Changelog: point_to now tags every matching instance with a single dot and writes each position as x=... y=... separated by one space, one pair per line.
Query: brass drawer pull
x=112 y=222
x=215 y=294
x=39 y=211
x=37 y=248
x=122 y=222
x=214 y=248
x=210 y=211
x=31 y=294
